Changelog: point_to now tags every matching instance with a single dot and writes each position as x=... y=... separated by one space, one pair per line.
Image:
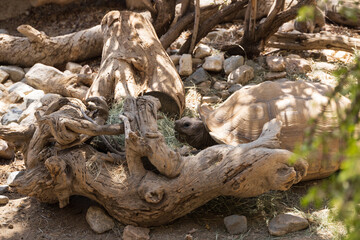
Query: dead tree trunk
x=134 y=63
x=255 y=39
x=36 y=47
x=153 y=185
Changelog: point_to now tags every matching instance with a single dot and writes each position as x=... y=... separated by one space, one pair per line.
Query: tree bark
x=165 y=15
x=308 y=41
x=36 y=47
x=134 y=63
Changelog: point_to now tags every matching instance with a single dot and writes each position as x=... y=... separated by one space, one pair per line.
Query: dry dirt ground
x=26 y=218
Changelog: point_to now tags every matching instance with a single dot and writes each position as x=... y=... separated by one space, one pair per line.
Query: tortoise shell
x=241 y=117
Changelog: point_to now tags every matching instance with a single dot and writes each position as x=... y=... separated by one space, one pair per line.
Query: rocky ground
x=210 y=76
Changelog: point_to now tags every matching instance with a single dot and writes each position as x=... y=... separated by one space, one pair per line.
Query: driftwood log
x=155 y=185
x=37 y=47
x=149 y=184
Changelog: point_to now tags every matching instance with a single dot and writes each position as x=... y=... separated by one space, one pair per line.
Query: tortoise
x=241 y=117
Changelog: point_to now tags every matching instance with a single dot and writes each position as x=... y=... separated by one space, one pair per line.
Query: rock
x=135 y=233
x=86 y=69
x=16 y=73
x=234 y=88
x=175 y=59
x=3 y=76
x=4 y=188
x=49 y=98
x=287 y=27
x=197 y=62
x=12 y=176
x=8 y=83
x=98 y=220
x=242 y=75
x=34 y=96
x=14 y=97
x=3 y=200
x=202 y=51
x=275 y=63
x=232 y=63
x=324 y=66
x=210 y=99
x=38 y=74
x=223 y=94
x=204 y=87
x=274 y=75
x=4 y=31
x=21 y=88
x=5 y=151
x=30 y=110
x=185 y=65
x=286 y=223
x=68 y=73
x=214 y=63
x=296 y=64
x=12 y=115
x=236 y=224
x=199 y=76
x=220 y=85
x=73 y=67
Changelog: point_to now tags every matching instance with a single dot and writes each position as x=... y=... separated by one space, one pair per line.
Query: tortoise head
x=194 y=132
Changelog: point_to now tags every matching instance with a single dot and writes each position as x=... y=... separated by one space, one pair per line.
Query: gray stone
x=12 y=115
x=199 y=76
x=5 y=151
x=204 y=87
x=135 y=233
x=4 y=31
x=175 y=59
x=3 y=200
x=16 y=73
x=275 y=63
x=14 y=97
x=286 y=223
x=49 y=98
x=12 y=176
x=30 y=110
x=185 y=65
x=3 y=76
x=213 y=63
x=39 y=74
x=211 y=99
x=98 y=220
x=242 y=75
x=21 y=88
x=236 y=224
x=202 y=51
x=34 y=96
x=287 y=27
x=232 y=63
x=73 y=67
x=220 y=85
x=297 y=65
x=4 y=188
x=234 y=88
x=223 y=94
x=197 y=62
x=274 y=75
x=8 y=83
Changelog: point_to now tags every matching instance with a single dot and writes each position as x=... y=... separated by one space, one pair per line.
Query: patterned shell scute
x=241 y=117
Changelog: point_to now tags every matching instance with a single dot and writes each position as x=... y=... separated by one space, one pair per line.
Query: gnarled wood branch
x=37 y=47
x=307 y=41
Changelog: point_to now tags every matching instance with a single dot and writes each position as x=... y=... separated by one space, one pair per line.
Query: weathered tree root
x=134 y=194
